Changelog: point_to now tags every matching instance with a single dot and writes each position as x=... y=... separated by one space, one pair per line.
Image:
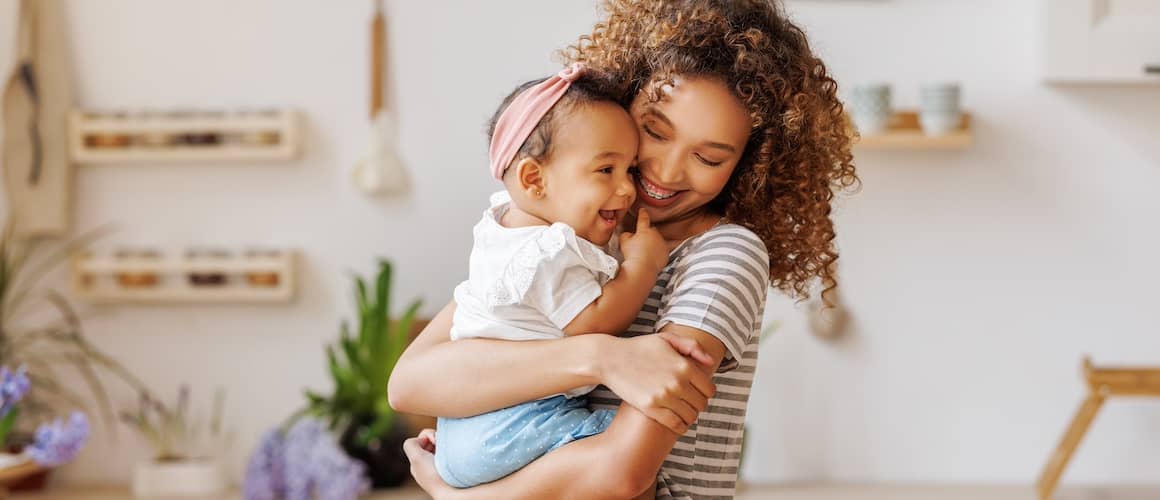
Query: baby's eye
x=607 y=169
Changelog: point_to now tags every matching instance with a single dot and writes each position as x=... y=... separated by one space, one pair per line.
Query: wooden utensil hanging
x=35 y=99
x=380 y=171
x=378 y=41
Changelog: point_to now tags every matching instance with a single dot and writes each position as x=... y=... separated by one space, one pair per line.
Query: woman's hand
x=665 y=376
x=420 y=451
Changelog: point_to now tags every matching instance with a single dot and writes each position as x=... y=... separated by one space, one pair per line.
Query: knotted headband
x=520 y=118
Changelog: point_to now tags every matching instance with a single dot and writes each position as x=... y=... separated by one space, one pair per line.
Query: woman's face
x=690 y=143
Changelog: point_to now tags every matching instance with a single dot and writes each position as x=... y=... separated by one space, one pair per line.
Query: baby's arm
x=645 y=255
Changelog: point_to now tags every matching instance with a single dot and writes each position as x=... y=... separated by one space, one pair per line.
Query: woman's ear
x=530 y=178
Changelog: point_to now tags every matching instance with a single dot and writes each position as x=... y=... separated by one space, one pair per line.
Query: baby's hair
x=590 y=88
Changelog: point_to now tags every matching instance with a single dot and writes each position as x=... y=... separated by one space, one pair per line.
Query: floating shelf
x=108 y=279
x=904 y=132
x=1144 y=80
x=184 y=137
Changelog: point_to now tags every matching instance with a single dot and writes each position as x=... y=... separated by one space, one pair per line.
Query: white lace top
x=527 y=283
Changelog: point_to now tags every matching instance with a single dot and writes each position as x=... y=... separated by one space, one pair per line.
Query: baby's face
x=587 y=183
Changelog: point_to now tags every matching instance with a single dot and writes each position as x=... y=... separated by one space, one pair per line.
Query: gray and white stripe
x=715 y=282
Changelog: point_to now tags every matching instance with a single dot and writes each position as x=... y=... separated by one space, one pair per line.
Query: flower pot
x=36 y=481
x=178 y=478
x=19 y=473
x=387 y=465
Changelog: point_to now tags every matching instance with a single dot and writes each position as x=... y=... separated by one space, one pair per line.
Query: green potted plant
x=360 y=364
x=186 y=450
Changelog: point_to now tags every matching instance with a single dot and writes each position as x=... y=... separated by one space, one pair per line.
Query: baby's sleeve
x=559 y=274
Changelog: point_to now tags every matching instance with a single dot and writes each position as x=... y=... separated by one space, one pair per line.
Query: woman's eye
x=652 y=133
x=708 y=162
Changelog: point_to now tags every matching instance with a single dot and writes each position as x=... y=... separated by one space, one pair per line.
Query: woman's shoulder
x=728 y=236
x=724 y=250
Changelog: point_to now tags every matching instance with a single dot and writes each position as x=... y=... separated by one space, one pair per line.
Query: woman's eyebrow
x=656 y=113
x=722 y=146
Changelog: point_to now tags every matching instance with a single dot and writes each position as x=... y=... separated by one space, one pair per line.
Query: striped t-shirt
x=715 y=282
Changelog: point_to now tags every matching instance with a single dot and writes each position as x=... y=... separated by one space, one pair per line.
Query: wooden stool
x=1102 y=384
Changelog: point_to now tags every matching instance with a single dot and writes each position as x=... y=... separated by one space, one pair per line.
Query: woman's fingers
x=415 y=450
x=687 y=413
x=423 y=464
x=703 y=383
x=682 y=401
x=702 y=380
x=688 y=348
x=668 y=418
x=642 y=220
x=687 y=403
x=695 y=398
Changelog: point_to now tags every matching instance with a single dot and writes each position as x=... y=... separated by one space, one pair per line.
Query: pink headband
x=520 y=118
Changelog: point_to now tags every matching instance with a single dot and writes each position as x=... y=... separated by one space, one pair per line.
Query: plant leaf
x=377 y=429
x=6 y=424
x=26 y=281
x=94 y=382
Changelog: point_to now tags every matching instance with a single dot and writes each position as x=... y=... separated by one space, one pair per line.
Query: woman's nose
x=668 y=170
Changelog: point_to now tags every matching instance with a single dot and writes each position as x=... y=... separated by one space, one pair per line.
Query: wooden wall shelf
x=96 y=138
x=269 y=277
x=905 y=133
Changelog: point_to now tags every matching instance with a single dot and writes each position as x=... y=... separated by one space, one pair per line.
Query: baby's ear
x=530 y=178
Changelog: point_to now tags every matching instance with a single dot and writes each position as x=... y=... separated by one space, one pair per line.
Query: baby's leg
x=487 y=447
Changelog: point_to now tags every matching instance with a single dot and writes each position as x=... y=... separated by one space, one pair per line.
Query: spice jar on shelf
x=205 y=269
x=154 y=139
x=200 y=138
x=85 y=277
x=264 y=278
x=137 y=272
x=258 y=138
x=108 y=140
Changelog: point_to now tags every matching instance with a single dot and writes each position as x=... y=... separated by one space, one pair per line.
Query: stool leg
x=1071 y=439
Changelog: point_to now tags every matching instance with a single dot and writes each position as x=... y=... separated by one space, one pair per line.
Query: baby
x=562 y=147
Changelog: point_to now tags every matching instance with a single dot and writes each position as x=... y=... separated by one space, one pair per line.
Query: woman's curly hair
x=798 y=152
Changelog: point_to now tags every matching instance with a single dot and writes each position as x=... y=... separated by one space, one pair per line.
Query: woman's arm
x=620 y=463
x=471 y=376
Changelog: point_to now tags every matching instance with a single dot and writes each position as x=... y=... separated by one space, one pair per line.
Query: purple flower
x=336 y=475
x=265 y=476
x=13 y=387
x=301 y=440
x=59 y=442
x=305 y=465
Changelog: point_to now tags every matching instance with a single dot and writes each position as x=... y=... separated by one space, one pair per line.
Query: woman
x=742 y=145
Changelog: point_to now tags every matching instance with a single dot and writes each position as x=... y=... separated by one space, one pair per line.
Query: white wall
x=977 y=278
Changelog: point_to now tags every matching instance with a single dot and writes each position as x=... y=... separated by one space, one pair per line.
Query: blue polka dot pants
x=487 y=447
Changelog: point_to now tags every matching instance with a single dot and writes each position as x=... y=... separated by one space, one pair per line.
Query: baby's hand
x=646 y=245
